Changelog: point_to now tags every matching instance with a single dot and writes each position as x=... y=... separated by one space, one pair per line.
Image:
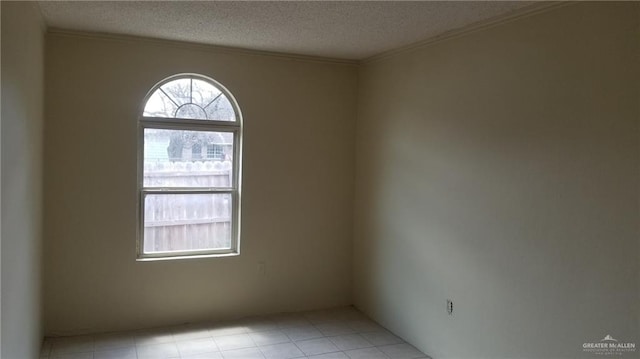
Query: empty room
x=320 y=179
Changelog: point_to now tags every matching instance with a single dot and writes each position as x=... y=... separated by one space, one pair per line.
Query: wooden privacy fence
x=187 y=221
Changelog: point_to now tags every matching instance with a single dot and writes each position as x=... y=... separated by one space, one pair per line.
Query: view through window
x=189 y=170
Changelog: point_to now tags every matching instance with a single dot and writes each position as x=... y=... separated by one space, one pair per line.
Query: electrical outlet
x=449 y=306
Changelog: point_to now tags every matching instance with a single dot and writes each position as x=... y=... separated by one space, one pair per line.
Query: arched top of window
x=192 y=97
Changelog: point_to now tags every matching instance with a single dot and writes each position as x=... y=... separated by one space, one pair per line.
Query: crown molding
x=524 y=12
x=196 y=46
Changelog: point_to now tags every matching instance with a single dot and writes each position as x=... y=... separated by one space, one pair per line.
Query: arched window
x=189 y=147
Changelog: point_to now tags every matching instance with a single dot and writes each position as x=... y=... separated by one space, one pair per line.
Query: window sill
x=179 y=257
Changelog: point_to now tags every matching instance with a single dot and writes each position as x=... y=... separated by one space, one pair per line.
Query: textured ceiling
x=344 y=30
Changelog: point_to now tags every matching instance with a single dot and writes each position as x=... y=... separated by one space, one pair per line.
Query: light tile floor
x=326 y=334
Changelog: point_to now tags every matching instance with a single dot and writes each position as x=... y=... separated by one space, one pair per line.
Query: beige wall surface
x=500 y=169
x=299 y=119
x=22 y=115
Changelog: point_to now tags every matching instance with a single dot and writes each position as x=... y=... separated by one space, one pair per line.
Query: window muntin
x=189 y=181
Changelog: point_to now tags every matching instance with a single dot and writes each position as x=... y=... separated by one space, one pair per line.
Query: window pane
x=221 y=110
x=190 y=98
x=159 y=105
x=181 y=158
x=203 y=93
x=187 y=222
x=191 y=111
x=178 y=90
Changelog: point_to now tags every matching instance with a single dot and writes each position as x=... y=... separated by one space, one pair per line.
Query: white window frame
x=234 y=127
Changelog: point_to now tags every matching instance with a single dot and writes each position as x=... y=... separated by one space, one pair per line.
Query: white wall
x=500 y=169
x=297 y=191
x=22 y=114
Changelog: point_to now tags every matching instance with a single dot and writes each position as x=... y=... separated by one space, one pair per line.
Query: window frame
x=177 y=123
